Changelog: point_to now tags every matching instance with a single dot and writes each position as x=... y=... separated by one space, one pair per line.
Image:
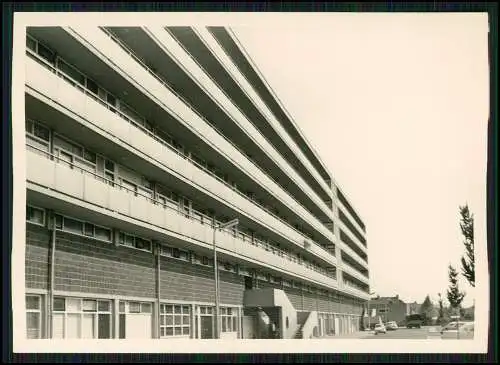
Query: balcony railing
x=192 y=215
x=188 y=104
x=356 y=270
x=161 y=141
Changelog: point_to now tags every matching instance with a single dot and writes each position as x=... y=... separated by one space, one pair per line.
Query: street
x=406 y=333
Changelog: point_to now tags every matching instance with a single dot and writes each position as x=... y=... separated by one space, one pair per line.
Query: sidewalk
x=354 y=335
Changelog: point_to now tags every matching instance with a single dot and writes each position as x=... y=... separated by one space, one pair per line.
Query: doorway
x=206 y=326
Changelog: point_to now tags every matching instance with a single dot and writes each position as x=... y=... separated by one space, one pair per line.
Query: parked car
x=414 y=321
x=391 y=326
x=380 y=328
x=452 y=326
x=465 y=332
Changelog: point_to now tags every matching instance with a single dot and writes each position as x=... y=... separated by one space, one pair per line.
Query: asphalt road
x=407 y=333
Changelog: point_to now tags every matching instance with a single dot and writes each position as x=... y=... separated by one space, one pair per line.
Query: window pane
x=34 y=215
x=185 y=320
x=222 y=311
x=177 y=320
x=73 y=321
x=41 y=132
x=104 y=306
x=111 y=99
x=177 y=309
x=71 y=72
x=178 y=331
x=169 y=331
x=59 y=304
x=162 y=331
x=89 y=229
x=33 y=325
x=121 y=306
x=134 y=307
x=58 y=325
x=142 y=244
x=122 y=326
x=92 y=86
x=168 y=309
x=46 y=53
x=162 y=320
x=31 y=44
x=102 y=233
x=145 y=307
x=185 y=330
x=169 y=320
x=73 y=305
x=235 y=324
x=88 y=326
x=104 y=325
x=32 y=302
x=185 y=309
x=89 y=305
x=109 y=165
x=72 y=225
x=89 y=156
x=224 y=324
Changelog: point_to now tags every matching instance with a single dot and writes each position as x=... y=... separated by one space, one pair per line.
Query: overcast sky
x=397 y=107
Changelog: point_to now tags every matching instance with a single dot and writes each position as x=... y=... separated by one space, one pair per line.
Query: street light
x=220 y=226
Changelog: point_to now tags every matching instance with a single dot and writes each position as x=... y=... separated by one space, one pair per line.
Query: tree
x=467 y=227
x=426 y=309
x=455 y=296
x=443 y=316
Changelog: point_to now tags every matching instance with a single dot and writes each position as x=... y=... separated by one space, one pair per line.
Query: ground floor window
x=175 y=320
x=135 y=319
x=229 y=319
x=33 y=316
x=81 y=318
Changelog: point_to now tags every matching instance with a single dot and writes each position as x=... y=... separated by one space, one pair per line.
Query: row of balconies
x=107 y=119
x=93 y=111
x=67 y=180
x=160 y=35
x=132 y=69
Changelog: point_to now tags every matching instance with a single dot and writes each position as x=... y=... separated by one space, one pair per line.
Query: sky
x=396 y=105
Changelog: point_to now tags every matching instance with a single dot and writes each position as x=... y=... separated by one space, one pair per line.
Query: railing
x=244 y=91
x=188 y=104
x=357 y=270
x=193 y=214
x=161 y=141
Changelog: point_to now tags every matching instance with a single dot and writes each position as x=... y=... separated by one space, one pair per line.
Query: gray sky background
x=397 y=107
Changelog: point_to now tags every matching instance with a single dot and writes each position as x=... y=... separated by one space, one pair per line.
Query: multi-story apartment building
x=140 y=142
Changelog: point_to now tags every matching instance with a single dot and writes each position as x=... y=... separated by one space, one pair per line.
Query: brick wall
x=92 y=266
x=184 y=281
x=36 y=257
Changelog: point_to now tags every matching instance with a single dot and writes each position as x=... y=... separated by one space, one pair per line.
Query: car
x=452 y=326
x=391 y=326
x=380 y=328
x=465 y=332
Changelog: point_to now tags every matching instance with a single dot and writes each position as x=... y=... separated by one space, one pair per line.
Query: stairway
x=299 y=333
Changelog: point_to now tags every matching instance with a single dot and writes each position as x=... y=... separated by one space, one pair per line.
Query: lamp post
x=369 y=314
x=220 y=226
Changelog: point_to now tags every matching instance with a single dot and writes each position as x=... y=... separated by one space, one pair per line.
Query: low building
x=388 y=309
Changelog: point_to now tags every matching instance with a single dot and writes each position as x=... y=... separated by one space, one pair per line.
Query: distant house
x=388 y=309
x=413 y=308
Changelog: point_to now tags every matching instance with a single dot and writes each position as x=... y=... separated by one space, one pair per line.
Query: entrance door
x=206 y=327
x=248 y=283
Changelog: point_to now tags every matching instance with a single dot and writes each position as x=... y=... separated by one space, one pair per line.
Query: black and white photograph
x=250 y=182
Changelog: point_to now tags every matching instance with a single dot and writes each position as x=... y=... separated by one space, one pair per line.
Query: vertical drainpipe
x=158 y=268
x=52 y=228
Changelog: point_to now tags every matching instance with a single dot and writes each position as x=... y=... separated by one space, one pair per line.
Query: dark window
x=103 y=233
x=103 y=306
x=32 y=302
x=73 y=225
x=41 y=132
x=176 y=253
x=105 y=326
x=59 y=304
x=109 y=165
x=89 y=229
x=46 y=53
x=92 y=86
x=111 y=99
x=59 y=221
x=89 y=156
x=31 y=44
x=122 y=326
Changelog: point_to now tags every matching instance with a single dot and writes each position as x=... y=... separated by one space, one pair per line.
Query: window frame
x=44 y=214
x=173 y=314
x=31 y=310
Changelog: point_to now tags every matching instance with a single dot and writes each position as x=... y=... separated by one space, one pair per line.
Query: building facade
x=387 y=309
x=140 y=142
